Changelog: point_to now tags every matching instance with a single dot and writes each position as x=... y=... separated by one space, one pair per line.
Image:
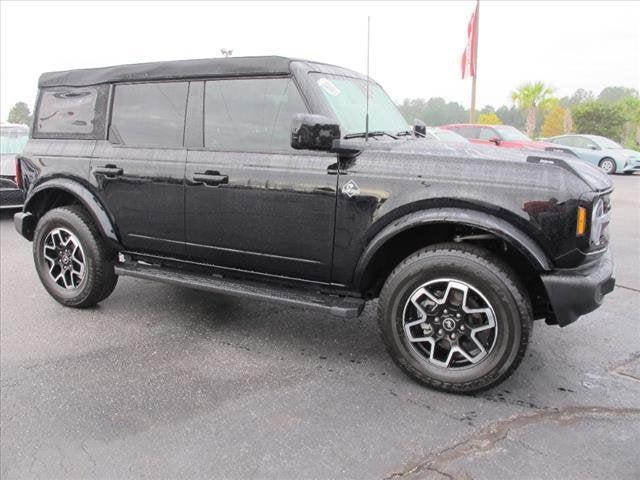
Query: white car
x=13 y=138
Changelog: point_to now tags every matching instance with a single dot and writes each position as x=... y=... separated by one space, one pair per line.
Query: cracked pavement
x=164 y=382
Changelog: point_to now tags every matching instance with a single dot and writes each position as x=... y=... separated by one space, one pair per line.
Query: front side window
x=347 y=98
x=149 y=114
x=251 y=114
x=74 y=112
x=487 y=133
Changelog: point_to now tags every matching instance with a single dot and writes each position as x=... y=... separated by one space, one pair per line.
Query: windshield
x=347 y=97
x=12 y=143
x=606 y=143
x=511 y=134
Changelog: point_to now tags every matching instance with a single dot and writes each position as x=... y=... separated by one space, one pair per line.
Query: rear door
x=139 y=170
x=252 y=202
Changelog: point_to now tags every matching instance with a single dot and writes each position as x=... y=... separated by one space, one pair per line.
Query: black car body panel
x=315 y=218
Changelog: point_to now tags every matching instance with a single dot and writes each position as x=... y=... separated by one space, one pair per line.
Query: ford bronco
x=264 y=178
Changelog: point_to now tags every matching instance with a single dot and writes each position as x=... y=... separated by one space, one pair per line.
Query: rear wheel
x=73 y=262
x=455 y=318
x=608 y=165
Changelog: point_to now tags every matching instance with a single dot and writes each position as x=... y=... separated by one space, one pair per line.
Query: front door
x=139 y=171
x=253 y=203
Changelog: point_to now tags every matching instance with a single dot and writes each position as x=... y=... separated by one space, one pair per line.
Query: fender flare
x=93 y=205
x=473 y=218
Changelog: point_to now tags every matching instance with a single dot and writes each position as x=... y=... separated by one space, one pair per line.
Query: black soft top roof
x=211 y=67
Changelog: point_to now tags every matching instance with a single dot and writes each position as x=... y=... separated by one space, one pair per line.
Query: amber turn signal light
x=581 y=226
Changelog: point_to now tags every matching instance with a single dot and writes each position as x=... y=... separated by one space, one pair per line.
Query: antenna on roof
x=366 y=118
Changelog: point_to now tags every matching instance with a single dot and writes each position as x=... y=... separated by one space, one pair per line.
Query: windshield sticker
x=328 y=86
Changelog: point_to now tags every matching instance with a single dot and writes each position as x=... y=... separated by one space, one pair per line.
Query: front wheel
x=608 y=165
x=73 y=262
x=455 y=318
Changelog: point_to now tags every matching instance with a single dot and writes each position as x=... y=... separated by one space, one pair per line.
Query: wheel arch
x=416 y=230
x=57 y=192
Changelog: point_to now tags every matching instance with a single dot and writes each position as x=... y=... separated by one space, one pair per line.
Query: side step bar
x=346 y=307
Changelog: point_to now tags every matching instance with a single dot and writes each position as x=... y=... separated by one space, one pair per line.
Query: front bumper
x=576 y=292
x=10 y=195
x=632 y=165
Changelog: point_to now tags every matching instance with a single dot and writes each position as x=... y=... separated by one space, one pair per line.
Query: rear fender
x=83 y=194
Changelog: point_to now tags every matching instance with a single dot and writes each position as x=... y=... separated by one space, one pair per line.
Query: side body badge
x=351 y=189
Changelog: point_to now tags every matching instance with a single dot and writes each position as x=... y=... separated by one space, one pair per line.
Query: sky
x=416 y=47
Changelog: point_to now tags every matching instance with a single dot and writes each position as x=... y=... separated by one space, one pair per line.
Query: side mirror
x=495 y=140
x=419 y=128
x=313 y=132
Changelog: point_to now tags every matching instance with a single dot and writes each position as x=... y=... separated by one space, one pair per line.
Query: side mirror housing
x=419 y=128
x=495 y=140
x=313 y=132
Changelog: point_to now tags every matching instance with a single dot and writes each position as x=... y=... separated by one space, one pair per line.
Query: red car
x=499 y=135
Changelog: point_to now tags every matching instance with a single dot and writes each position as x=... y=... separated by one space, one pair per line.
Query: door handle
x=108 y=171
x=210 y=178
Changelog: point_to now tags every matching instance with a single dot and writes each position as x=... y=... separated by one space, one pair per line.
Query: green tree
x=20 y=113
x=532 y=98
x=579 y=96
x=598 y=118
x=554 y=122
x=615 y=94
x=511 y=116
x=435 y=111
x=489 y=119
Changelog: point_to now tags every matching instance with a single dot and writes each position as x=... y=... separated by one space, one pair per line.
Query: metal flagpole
x=472 y=112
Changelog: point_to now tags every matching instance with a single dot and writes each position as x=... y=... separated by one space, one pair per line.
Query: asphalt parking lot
x=165 y=382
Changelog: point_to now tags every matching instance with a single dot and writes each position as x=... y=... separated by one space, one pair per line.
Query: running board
x=345 y=307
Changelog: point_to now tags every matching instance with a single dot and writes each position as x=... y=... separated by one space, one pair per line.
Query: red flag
x=469 y=54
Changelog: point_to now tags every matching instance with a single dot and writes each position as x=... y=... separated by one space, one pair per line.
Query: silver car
x=601 y=151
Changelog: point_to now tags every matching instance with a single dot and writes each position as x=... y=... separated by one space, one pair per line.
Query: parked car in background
x=442 y=135
x=13 y=138
x=601 y=151
x=498 y=135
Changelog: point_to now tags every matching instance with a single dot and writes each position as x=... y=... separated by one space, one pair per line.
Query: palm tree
x=532 y=97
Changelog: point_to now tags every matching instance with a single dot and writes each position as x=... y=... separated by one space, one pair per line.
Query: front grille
x=10 y=197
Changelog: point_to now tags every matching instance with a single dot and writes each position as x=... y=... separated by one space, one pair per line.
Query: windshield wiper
x=370 y=134
x=405 y=133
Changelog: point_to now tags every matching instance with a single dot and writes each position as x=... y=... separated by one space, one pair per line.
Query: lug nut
x=457 y=315
x=452 y=336
x=437 y=319
x=440 y=332
x=462 y=328
x=445 y=311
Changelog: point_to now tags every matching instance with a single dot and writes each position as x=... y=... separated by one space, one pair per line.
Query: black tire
x=486 y=273
x=608 y=165
x=628 y=173
x=98 y=279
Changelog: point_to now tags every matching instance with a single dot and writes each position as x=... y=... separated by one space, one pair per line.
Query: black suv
x=262 y=178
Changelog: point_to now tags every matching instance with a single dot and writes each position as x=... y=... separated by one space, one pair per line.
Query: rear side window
x=65 y=112
x=149 y=114
x=250 y=114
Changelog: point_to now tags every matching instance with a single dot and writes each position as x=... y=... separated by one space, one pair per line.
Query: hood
x=591 y=175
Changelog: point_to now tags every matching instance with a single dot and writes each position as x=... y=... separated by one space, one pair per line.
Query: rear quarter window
x=71 y=112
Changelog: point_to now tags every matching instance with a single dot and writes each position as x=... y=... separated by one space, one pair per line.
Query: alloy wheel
x=65 y=258
x=450 y=323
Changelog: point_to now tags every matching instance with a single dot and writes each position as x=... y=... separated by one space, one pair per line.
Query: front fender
x=83 y=194
x=501 y=228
